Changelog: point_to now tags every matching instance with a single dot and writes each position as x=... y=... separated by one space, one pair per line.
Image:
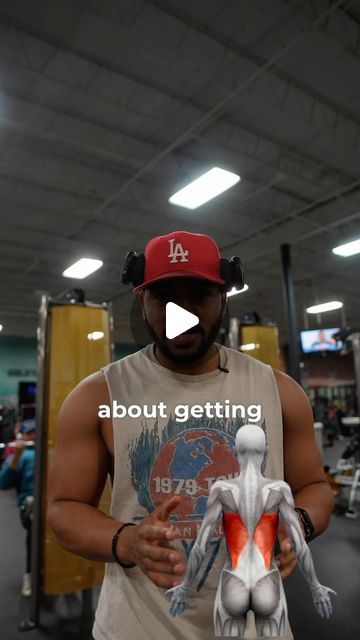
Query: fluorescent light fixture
x=82 y=268
x=95 y=335
x=209 y=185
x=348 y=249
x=327 y=306
x=1 y=327
x=249 y=347
x=234 y=291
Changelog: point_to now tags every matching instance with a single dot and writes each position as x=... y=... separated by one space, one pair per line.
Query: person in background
x=340 y=414
x=323 y=343
x=16 y=435
x=18 y=472
x=319 y=410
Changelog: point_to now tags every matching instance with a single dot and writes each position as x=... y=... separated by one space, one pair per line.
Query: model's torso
x=250 y=517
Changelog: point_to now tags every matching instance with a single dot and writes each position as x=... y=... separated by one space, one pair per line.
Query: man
x=18 y=472
x=322 y=344
x=162 y=470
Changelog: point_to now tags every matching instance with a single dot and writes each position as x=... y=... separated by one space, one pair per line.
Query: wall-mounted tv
x=314 y=340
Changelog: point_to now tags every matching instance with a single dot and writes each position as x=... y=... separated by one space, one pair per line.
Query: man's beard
x=186 y=358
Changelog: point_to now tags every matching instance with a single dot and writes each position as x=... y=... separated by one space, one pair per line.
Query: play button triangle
x=178 y=320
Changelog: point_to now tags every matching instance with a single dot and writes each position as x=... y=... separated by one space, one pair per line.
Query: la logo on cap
x=178 y=320
x=177 y=252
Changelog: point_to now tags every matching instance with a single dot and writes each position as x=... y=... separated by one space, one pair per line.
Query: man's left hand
x=286 y=560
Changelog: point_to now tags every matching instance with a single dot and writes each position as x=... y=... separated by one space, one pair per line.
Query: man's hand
x=18 y=449
x=286 y=560
x=147 y=544
x=179 y=598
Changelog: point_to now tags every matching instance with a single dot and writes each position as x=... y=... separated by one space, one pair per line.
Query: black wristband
x=306 y=522
x=125 y=565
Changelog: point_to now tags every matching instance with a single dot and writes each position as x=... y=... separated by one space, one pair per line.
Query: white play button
x=178 y=320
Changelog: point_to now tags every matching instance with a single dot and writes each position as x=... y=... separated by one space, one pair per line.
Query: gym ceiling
x=107 y=107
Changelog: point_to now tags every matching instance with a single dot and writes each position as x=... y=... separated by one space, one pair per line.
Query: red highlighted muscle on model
x=265 y=535
x=237 y=535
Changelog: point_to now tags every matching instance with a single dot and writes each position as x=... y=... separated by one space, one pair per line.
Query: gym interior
x=109 y=110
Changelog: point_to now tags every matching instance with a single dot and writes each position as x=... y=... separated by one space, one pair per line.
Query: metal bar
x=289 y=299
x=111 y=329
x=36 y=542
x=355 y=339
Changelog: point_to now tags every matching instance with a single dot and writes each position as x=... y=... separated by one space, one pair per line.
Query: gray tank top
x=156 y=457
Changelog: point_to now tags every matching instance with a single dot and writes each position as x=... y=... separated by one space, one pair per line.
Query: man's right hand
x=145 y=544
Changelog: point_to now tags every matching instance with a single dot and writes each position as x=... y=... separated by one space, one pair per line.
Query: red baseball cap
x=181 y=254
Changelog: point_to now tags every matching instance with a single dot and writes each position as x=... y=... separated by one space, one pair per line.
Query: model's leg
x=266 y=627
x=238 y=627
x=234 y=627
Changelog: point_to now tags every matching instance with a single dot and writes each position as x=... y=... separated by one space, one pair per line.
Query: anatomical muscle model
x=250 y=580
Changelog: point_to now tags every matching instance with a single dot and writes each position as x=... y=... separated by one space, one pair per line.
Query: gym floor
x=336 y=555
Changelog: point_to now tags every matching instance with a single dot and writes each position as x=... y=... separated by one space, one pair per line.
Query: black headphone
x=231 y=270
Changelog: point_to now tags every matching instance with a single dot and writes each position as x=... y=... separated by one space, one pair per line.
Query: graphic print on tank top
x=185 y=459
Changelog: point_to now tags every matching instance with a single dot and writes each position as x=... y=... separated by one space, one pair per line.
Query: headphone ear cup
x=232 y=272
x=139 y=270
x=133 y=269
x=237 y=272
